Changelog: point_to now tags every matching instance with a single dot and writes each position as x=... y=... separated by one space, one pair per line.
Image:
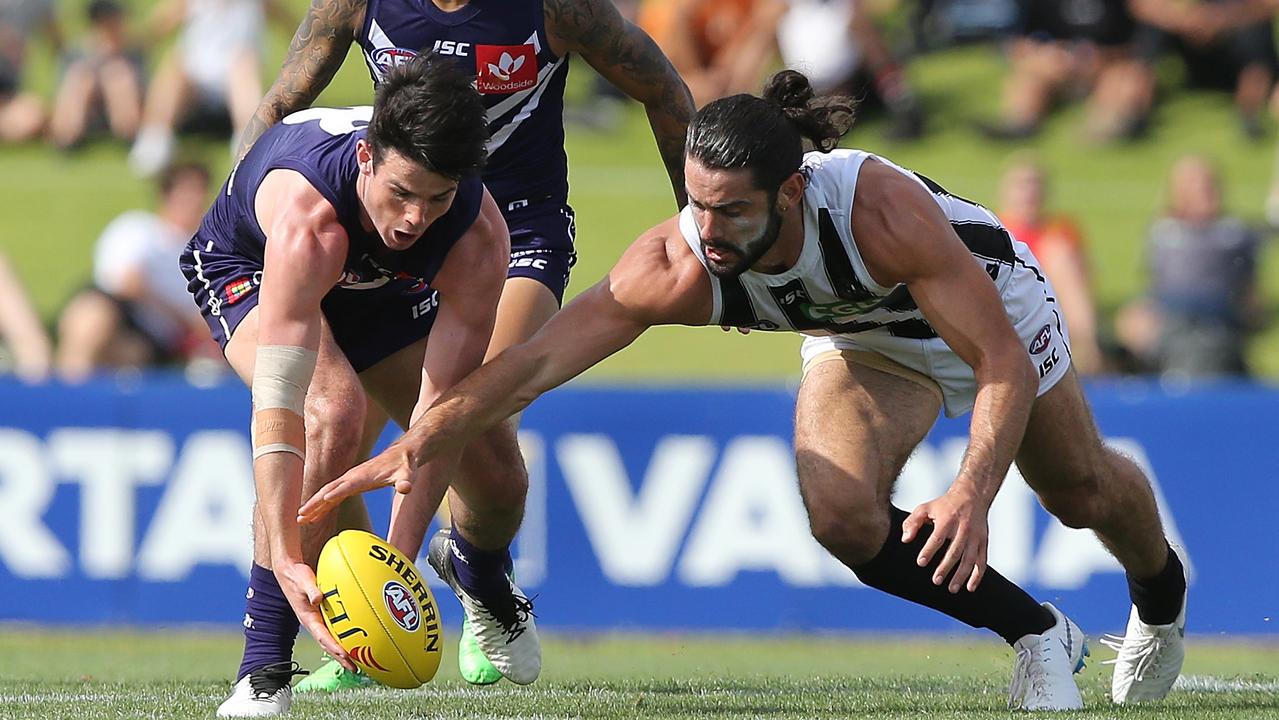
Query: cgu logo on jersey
x=387 y=59
x=402 y=605
x=504 y=69
x=840 y=311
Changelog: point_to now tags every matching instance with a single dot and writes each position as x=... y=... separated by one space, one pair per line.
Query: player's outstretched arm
x=905 y=238
x=316 y=52
x=628 y=58
x=305 y=251
x=657 y=281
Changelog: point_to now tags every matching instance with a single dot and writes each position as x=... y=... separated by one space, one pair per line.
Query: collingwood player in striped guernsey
x=913 y=300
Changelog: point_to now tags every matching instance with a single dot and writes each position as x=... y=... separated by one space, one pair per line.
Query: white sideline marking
x=1210 y=684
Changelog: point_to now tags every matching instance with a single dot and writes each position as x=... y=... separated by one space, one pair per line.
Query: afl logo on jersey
x=504 y=69
x=386 y=59
x=1042 y=338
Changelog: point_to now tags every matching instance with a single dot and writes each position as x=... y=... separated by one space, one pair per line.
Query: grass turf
x=47 y=674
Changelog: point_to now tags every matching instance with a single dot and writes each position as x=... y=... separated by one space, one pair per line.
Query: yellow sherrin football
x=380 y=609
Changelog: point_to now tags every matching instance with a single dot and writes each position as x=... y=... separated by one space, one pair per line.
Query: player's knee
x=494 y=469
x=1078 y=504
x=854 y=532
x=330 y=418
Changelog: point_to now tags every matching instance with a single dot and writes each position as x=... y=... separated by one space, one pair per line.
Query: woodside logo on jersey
x=504 y=69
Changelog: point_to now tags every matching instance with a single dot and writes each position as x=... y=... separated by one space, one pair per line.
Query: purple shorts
x=542 y=244
x=368 y=325
x=371 y=325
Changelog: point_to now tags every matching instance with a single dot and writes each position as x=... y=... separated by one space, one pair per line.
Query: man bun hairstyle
x=429 y=111
x=767 y=134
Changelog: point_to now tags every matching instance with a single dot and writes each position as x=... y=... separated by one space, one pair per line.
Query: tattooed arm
x=629 y=59
x=317 y=51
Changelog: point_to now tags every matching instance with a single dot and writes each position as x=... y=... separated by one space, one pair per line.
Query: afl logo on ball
x=402 y=605
x=1042 y=338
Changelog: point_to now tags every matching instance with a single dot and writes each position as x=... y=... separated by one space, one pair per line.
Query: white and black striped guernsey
x=829 y=291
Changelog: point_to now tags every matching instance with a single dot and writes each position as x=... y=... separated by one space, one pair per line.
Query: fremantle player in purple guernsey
x=518 y=52
x=339 y=244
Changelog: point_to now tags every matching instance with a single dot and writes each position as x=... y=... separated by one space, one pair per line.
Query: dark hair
x=428 y=111
x=175 y=173
x=100 y=10
x=766 y=134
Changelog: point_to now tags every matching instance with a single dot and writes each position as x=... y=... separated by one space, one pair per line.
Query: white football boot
x=1043 y=678
x=504 y=630
x=1150 y=657
x=262 y=693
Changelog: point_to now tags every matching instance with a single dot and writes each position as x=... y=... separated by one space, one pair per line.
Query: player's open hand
x=392 y=467
x=297 y=580
x=960 y=518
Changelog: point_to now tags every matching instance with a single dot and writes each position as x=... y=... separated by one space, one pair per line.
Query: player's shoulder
x=660 y=277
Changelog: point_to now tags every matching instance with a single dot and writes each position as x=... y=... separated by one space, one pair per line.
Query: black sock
x=269 y=623
x=1158 y=599
x=482 y=573
x=998 y=604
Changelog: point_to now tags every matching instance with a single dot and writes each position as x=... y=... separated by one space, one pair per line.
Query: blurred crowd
x=1194 y=319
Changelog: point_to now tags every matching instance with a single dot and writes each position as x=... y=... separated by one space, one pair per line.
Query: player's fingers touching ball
x=297 y=580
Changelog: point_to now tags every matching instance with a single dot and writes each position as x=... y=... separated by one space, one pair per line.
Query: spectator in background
x=1225 y=45
x=1056 y=242
x=1102 y=49
x=214 y=68
x=1076 y=48
x=719 y=47
x=837 y=45
x=138 y=311
x=24 y=345
x=103 y=83
x=22 y=114
x=1202 y=301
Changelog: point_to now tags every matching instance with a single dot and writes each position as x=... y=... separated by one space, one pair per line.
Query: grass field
x=47 y=674
x=52 y=206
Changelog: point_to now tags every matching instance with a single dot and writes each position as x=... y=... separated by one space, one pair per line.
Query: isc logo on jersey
x=379 y=609
x=504 y=69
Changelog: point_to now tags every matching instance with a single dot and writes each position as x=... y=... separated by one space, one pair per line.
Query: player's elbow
x=1009 y=366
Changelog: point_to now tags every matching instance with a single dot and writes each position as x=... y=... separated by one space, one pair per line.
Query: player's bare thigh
x=1062 y=444
x=526 y=306
x=855 y=426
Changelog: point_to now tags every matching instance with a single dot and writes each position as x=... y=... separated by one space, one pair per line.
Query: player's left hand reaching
x=959 y=516
x=393 y=467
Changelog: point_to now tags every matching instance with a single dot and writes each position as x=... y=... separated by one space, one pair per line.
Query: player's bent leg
x=855 y=426
x=473 y=557
x=527 y=304
x=1088 y=485
x=335 y=402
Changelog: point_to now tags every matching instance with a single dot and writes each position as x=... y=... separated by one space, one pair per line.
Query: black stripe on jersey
x=737 y=310
x=899 y=300
x=988 y=241
x=839 y=268
x=917 y=329
x=1038 y=276
x=939 y=190
x=791 y=299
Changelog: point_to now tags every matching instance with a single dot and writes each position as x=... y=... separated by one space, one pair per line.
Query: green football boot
x=471 y=661
x=332 y=677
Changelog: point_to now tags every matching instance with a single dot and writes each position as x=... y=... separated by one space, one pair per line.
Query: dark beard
x=755 y=249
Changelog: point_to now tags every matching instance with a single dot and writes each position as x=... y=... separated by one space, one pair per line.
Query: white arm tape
x=278 y=448
x=281 y=376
